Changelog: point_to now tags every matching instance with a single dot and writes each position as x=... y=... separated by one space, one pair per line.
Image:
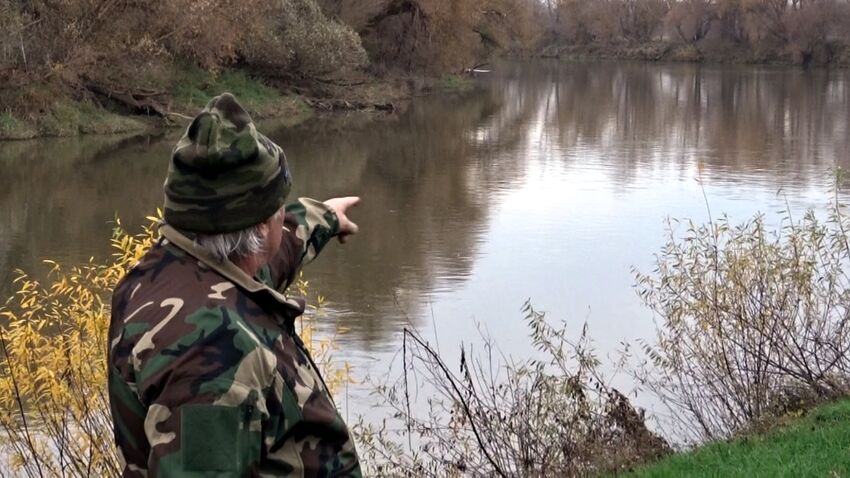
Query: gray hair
x=237 y=244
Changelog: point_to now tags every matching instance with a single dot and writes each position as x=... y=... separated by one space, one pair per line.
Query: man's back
x=213 y=377
x=207 y=376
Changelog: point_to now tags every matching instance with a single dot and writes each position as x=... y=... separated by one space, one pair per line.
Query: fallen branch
x=345 y=105
x=142 y=101
x=340 y=83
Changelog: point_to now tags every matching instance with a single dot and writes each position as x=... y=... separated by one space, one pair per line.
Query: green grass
x=456 y=83
x=69 y=118
x=196 y=87
x=8 y=121
x=13 y=128
x=193 y=88
x=816 y=445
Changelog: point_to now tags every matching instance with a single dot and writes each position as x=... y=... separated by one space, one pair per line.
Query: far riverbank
x=61 y=112
x=714 y=53
x=65 y=115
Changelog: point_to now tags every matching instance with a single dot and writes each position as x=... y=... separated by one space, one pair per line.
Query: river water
x=548 y=181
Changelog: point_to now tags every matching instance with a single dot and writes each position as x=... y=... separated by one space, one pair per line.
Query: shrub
x=608 y=21
x=529 y=418
x=320 y=46
x=425 y=35
x=809 y=29
x=446 y=36
x=301 y=41
x=752 y=323
x=53 y=404
x=691 y=20
x=126 y=46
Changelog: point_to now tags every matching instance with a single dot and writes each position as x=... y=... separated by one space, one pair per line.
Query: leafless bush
x=509 y=26
x=424 y=35
x=302 y=41
x=641 y=19
x=77 y=37
x=569 y=22
x=607 y=21
x=135 y=44
x=691 y=19
x=751 y=321
x=320 y=46
x=438 y=36
x=10 y=34
x=534 y=418
x=731 y=20
x=809 y=28
x=790 y=30
x=763 y=19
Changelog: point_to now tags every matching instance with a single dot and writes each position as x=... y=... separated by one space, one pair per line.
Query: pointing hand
x=341 y=206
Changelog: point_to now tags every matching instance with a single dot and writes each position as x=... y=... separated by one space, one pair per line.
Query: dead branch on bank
x=138 y=101
x=346 y=105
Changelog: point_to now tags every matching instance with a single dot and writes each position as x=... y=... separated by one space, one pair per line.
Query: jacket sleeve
x=308 y=227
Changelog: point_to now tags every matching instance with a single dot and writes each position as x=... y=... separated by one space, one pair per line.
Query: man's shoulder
x=176 y=296
x=172 y=312
x=167 y=272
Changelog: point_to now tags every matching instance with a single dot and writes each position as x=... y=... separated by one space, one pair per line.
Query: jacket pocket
x=221 y=439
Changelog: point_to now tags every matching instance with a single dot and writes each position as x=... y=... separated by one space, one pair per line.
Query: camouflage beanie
x=224 y=176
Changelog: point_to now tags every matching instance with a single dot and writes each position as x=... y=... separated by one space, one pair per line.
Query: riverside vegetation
x=752 y=331
x=164 y=58
x=88 y=66
x=811 y=444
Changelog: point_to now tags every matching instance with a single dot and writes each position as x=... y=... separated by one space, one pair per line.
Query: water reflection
x=550 y=180
x=59 y=197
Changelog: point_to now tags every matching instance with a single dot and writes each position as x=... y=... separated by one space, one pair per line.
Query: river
x=548 y=181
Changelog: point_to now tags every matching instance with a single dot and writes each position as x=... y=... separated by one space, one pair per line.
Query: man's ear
x=264 y=228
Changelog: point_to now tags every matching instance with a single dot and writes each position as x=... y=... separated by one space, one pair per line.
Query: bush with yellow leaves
x=54 y=409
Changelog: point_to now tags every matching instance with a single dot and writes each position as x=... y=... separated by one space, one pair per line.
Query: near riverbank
x=812 y=443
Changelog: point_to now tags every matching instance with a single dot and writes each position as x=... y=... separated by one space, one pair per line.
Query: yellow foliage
x=54 y=409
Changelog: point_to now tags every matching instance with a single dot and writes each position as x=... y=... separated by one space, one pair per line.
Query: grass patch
x=817 y=444
x=97 y=120
x=70 y=118
x=13 y=128
x=7 y=121
x=687 y=54
x=455 y=83
x=193 y=88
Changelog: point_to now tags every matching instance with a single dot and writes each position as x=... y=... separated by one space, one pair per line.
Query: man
x=207 y=376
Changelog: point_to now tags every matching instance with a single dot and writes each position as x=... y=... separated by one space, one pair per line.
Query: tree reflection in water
x=432 y=178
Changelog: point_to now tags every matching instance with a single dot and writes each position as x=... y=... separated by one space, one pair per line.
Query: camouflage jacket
x=207 y=376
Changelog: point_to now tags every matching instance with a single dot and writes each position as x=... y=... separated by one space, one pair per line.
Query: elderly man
x=207 y=376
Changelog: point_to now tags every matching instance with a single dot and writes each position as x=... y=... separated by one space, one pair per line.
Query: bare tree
x=691 y=19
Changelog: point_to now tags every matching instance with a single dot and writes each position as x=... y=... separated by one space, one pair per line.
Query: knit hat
x=224 y=176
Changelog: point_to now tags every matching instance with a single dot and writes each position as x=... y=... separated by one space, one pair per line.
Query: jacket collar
x=228 y=269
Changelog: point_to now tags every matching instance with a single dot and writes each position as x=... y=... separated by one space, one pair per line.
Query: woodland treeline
x=754 y=31
x=98 y=47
